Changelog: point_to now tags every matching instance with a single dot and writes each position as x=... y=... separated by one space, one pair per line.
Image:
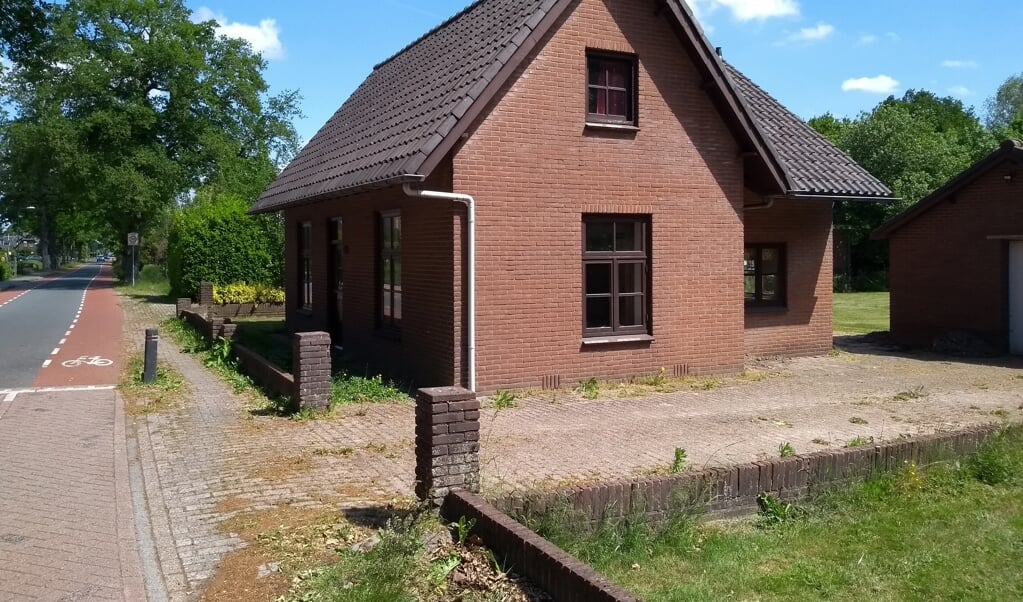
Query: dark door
x=336 y=254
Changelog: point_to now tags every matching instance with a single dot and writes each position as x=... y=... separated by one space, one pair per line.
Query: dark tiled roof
x=812 y=164
x=410 y=102
x=1009 y=150
x=400 y=120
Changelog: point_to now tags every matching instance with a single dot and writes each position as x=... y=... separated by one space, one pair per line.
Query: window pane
x=598 y=278
x=630 y=310
x=628 y=236
x=396 y=270
x=750 y=286
x=630 y=278
x=386 y=302
x=617 y=73
x=597 y=75
x=769 y=260
x=396 y=240
x=598 y=312
x=396 y=310
x=617 y=103
x=599 y=236
x=387 y=272
x=591 y=104
x=385 y=232
x=769 y=288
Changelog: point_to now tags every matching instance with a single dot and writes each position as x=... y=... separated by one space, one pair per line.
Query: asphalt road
x=33 y=323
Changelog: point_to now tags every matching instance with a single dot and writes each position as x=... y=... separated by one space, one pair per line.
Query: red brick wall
x=945 y=274
x=431 y=297
x=534 y=170
x=803 y=327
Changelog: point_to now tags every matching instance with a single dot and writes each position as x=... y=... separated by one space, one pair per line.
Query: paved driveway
x=209 y=458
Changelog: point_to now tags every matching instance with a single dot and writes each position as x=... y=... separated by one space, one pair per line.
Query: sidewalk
x=209 y=458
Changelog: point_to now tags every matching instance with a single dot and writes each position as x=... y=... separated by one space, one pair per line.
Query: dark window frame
x=389 y=257
x=616 y=258
x=305 y=266
x=631 y=118
x=781 y=297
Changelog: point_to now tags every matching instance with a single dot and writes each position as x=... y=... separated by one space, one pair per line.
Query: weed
x=1001 y=413
x=785 y=450
x=820 y=441
x=590 y=389
x=502 y=400
x=658 y=379
x=333 y=451
x=859 y=441
x=858 y=420
x=464 y=527
x=914 y=393
x=996 y=462
x=145 y=398
x=774 y=511
x=680 y=463
x=909 y=479
x=346 y=390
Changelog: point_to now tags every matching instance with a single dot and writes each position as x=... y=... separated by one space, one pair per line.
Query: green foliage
x=151 y=274
x=913 y=144
x=217 y=241
x=785 y=450
x=998 y=462
x=1006 y=106
x=6 y=271
x=464 y=527
x=680 y=463
x=774 y=511
x=859 y=441
x=502 y=400
x=27 y=267
x=590 y=389
x=347 y=390
x=240 y=292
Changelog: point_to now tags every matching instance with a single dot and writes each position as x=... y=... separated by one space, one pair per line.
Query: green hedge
x=5 y=271
x=217 y=241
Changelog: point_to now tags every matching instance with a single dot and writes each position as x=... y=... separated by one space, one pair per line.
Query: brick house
x=956 y=257
x=594 y=173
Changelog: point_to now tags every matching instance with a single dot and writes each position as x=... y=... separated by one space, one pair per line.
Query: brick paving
x=66 y=522
x=209 y=458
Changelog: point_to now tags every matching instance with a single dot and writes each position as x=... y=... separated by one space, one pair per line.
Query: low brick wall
x=247 y=310
x=544 y=564
x=264 y=372
x=733 y=490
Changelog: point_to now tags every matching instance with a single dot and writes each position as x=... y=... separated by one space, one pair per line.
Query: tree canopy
x=125 y=108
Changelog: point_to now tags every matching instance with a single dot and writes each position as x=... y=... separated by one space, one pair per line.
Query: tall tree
x=1006 y=105
x=913 y=144
x=151 y=106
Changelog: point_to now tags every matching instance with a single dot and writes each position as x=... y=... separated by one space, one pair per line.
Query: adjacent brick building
x=957 y=257
x=619 y=172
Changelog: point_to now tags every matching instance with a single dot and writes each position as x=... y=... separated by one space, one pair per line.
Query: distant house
x=607 y=198
x=957 y=257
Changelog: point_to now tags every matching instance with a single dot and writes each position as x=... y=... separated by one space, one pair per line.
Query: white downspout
x=470 y=203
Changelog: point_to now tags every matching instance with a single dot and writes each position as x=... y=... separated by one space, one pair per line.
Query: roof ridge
x=444 y=24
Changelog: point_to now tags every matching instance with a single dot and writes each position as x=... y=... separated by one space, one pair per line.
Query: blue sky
x=815 y=56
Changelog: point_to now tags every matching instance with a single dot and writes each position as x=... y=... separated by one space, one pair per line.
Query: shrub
x=5 y=271
x=152 y=274
x=240 y=292
x=215 y=240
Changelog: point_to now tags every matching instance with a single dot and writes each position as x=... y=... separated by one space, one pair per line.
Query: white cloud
x=867 y=39
x=960 y=91
x=264 y=38
x=808 y=35
x=881 y=84
x=747 y=10
x=958 y=64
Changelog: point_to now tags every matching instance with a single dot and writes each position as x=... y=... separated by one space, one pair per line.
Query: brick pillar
x=183 y=304
x=228 y=329
x=447 y=442
x=311 y=369
x=216 y=328
x=206 y=294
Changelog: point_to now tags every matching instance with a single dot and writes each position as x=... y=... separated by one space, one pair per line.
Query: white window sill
x=611 y=127
x=618 y=339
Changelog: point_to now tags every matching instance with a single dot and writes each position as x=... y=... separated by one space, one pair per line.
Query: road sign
x=133 y=239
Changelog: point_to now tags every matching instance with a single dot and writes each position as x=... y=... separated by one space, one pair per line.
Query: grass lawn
x=860 y=313
x=952 y=533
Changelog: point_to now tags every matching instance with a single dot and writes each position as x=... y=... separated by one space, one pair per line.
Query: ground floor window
x=616 y=275
x=764 y=272
x=389 y=253
x=305 y=272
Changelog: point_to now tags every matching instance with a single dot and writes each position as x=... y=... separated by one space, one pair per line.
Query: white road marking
x=10 y=397
x=67 y=334
x=55 y=351
x=46 y=364
x=10 y=392
x=62 y=341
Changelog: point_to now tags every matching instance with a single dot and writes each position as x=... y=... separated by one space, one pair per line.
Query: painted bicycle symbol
x=87 y=360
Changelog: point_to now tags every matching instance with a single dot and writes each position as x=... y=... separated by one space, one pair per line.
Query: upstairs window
x=616 y=275
x=764 y=271
x=611 y=89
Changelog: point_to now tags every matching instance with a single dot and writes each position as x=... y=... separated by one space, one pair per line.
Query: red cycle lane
x=90 y=353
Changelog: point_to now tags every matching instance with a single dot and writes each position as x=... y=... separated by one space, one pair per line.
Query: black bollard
x=152 y=338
